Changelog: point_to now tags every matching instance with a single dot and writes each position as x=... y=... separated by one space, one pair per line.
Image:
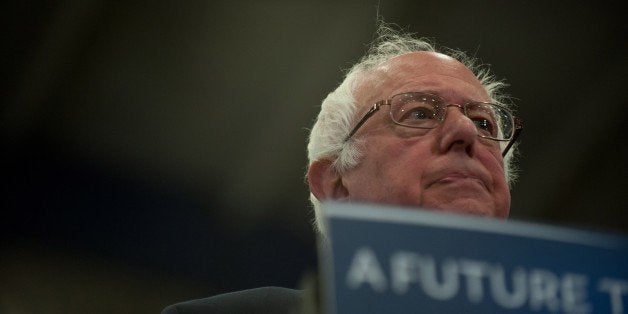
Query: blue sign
x=380 y=259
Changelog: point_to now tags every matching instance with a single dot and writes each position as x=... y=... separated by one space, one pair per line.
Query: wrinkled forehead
x=419 y=71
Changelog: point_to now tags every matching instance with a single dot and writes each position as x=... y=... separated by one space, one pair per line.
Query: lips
x=457 y=177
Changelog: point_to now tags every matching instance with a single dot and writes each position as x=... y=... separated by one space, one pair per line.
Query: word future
x=478 y=281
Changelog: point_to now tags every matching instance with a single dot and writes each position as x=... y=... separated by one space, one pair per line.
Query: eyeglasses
x=427 y=111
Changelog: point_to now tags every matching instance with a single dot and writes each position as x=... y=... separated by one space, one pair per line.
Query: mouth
x=460 y=179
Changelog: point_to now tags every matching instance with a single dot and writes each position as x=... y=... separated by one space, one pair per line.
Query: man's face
x=448 y=168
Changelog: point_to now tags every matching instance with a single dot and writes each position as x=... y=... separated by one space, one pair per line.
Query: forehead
x=421 y=71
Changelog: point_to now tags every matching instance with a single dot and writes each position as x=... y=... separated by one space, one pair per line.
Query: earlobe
x=325 y=182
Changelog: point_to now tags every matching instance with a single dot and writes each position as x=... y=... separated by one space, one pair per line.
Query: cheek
x=401 y=166
x=501 y=191
x=391 y=169
x=495 y=164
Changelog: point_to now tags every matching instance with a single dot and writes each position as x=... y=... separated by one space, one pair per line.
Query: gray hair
x=338 y=109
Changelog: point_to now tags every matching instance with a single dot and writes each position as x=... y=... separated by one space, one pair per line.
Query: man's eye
x=417 y=113
x=485 y=126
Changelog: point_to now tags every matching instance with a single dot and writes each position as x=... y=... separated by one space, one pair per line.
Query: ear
x=325 y=182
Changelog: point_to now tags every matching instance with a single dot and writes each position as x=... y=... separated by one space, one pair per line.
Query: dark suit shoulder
x=260 y=300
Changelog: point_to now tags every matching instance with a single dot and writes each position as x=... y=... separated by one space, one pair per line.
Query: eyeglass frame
x=517 y=122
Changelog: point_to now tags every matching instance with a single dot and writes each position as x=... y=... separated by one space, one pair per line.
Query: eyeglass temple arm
x=518 y=129
x=368 y=114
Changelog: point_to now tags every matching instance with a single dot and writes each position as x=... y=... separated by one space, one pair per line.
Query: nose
x=457 y=132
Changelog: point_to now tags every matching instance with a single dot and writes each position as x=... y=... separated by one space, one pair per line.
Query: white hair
x=338 y=109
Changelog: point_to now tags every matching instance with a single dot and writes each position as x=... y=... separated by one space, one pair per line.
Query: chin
x=467 y=208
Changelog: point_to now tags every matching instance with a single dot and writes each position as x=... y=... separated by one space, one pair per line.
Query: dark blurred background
x=154 y=151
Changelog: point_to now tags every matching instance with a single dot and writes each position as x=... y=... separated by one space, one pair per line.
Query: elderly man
x=408 y=126
x=414 y=127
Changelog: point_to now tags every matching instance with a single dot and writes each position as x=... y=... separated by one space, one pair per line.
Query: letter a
x=366 y=269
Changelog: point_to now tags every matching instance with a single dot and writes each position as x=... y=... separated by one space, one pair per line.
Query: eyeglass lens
x=427 y=111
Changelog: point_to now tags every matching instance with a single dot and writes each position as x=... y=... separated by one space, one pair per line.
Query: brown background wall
x=155 y=151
